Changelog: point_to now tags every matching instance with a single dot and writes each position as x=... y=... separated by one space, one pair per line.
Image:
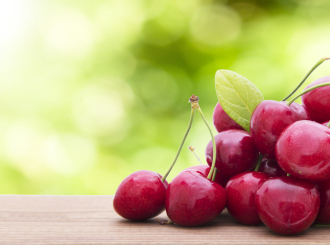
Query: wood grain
x=92 y=220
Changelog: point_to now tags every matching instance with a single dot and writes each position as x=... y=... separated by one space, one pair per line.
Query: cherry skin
x=193 y=200
x=220 y=178
x=271 y=167
x=303 y=150
x=140 y=196
x=324 y=214
x=287 y=205
x=317 y=101
x=268 y=121
x=222 y=121
x=236 y=152
x=240 y=193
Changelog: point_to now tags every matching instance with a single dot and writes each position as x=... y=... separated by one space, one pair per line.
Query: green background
x=91 y=91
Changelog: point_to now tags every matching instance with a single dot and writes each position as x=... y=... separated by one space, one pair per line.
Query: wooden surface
x=92 y=220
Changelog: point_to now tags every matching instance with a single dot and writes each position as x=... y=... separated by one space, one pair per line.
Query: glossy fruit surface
x=140 y=196
x=317 y=101
x=303 y=150
x=268 y=121
x=324 y=214
x=240 y=193
x=220 y=178
x=271 y=167
x=222 y=121
x=236 y=152
x=287 y=205
x=193 y=200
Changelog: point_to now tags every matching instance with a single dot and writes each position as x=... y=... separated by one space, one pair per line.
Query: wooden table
x=92 y=220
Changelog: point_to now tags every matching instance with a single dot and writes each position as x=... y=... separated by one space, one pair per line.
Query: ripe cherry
x=236 y=152
x=268 y=121
x=271 y=167
x=193 y=200
x=222 y=121
x=303 y=150
x=317 y=101
x=140 y=196
x=324 y=214
x=287 y=205
x=240 y=193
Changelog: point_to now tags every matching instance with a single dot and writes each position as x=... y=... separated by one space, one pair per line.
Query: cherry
x=140 y=196
x=303 y=150
x=324 y=214
x=193 y=200
x=222 y=121
x=220 y=178
x=236 y=152
x=240 y=192
x=317 y=101
x=268 y=121
x=271 y=167
x=287 y=205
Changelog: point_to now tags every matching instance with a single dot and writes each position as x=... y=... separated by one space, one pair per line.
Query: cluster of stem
x=195 y=106
x=305 y=78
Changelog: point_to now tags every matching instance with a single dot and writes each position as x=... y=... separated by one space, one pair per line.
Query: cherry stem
x=319 y=225
x=214 y=174
x=183 y=140
x=328 y=125
x=213 y=141
x=259 y=162
x=305 y=78
x=192 y=149
x=306 y=91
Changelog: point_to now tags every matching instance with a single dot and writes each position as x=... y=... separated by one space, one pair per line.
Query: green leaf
x=237 y=96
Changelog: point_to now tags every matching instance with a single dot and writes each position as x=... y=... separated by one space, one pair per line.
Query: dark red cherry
x=317 y=101
x=220 y=178
x=222 y=121
x=236 y=152
x=268 y=121
x=324 y=214
x=287 y=205
x=271 y=167
x=140 y=196
x=193 y=200
x=240 y=193
x=303 y=150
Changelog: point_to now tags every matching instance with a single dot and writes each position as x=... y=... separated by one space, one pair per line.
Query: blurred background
x=91 y=91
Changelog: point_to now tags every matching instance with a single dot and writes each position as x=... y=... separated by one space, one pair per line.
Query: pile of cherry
x=277 y=174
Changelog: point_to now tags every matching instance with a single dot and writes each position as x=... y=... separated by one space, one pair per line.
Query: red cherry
x=193 y=200
x=236 y=152
x=303 y=150
x=240 y=192
x=324 y=214
x=140 y=196
x=317 y=101
x=287 y=205
x=222 y=121
x=271 y=167
x=268 y=121
x=220 y=178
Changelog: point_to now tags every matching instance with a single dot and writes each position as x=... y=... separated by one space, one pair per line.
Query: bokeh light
x=91 y=91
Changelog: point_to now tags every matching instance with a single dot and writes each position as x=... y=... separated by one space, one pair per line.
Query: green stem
x=319 y=225
x=259 y=162
x=328 y=125
x=214 y=174
x=310 y=72
x=213 y=141
x=183 y=140
x=192 y=149
x=306 y=91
